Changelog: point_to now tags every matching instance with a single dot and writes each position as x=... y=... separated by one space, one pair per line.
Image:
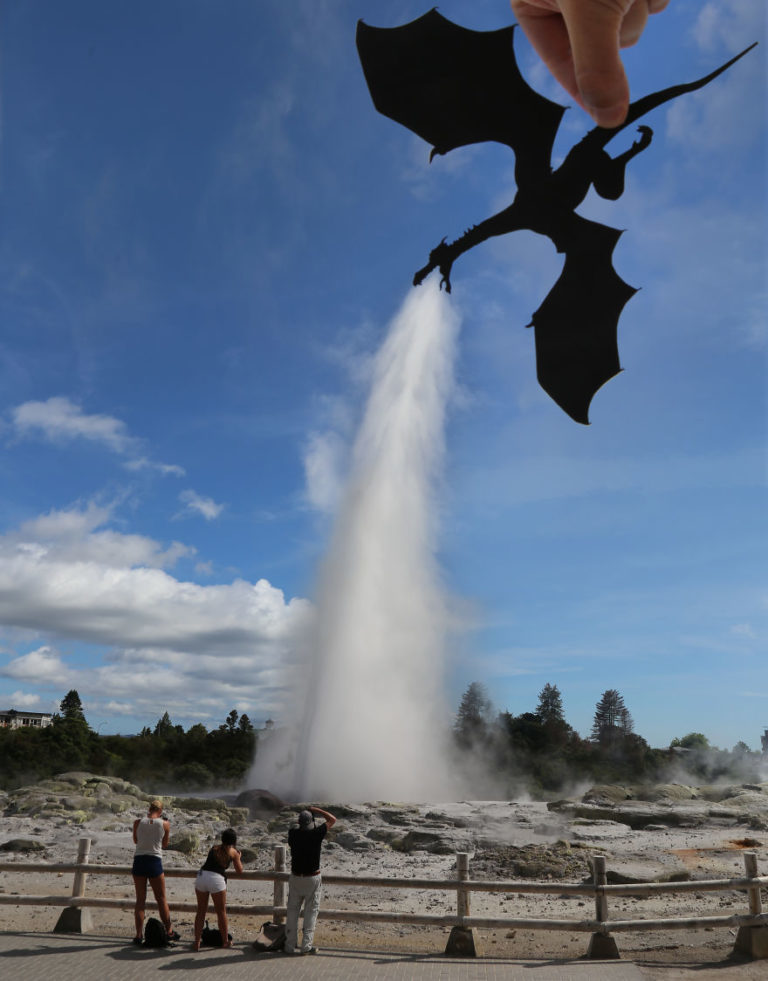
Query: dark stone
x=535 y=861
x=186 y=842
x=22 y=845
x=259 y=802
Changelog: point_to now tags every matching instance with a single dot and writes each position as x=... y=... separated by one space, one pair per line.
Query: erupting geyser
x=374 y=719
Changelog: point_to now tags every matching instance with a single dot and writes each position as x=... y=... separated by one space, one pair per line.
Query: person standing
x=305 y=882
x=212 y=881
x=150 y=835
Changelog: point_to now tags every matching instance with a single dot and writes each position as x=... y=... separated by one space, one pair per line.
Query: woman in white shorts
x=212 y=881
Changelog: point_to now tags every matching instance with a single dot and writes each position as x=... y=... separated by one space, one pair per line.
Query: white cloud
x=20 y=699
x=720 y=116
x=743 y=630
x=119 y=708
x=732 y=23
x=323 y=460
x=73 y=536
x=195 y=503
x=540 y=476
x=142 y=463
x=59 y=420
x=41 y=664
x=130 y=637
x=259 y=139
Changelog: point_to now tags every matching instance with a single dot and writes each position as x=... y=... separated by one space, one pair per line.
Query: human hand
x=579 y=41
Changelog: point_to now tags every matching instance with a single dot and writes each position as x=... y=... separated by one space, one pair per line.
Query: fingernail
x=609 y=120
x=608 y=116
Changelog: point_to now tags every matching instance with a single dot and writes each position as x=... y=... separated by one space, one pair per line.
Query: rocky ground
x=662 y=833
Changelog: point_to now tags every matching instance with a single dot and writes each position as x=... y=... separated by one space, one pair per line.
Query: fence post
x=279 y=890
x=750 y=869
x=462 y=874
x=461 y=941
x=602 y=946
x=75 y=919
x=752 y=940
x=83 y=854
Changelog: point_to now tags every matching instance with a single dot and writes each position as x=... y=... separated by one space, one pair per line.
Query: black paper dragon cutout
x=454 y=86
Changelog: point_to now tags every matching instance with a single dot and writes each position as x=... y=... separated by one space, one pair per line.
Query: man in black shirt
x=305 y=883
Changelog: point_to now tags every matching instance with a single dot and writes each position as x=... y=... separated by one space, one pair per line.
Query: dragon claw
x=646 y=135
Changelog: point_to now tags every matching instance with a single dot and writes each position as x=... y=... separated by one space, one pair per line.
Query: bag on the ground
x=155 y=934
x=211 y=936
x=271 y=937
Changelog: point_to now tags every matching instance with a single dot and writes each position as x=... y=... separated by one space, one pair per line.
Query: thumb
x=594 y=31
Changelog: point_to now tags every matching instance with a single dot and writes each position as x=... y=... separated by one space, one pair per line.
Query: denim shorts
x=147 y=866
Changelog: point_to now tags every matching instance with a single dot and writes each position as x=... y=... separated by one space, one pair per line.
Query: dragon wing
x=576 y=325
x=453 y=86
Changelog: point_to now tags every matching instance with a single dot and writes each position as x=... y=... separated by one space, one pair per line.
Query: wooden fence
x=752 y=925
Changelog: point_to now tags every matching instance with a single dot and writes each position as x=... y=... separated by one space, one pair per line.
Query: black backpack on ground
x=211 y=936
x=155 y=934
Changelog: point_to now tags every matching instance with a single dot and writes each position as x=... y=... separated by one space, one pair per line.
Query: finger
x=546 y=31
x=633 y=24
x=594 y=34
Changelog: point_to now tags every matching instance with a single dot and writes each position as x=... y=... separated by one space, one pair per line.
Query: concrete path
x=41 y=956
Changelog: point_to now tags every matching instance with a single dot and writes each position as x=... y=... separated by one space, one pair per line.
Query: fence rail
x=600 y=926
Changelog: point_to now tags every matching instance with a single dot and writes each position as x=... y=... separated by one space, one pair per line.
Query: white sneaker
x=308 y=950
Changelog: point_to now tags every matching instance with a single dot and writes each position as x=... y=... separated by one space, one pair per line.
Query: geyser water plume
x=375 y=720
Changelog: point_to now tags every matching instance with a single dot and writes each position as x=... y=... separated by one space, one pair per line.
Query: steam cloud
x=374 y=709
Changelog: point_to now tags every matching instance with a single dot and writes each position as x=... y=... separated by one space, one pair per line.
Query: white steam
x=374 y=720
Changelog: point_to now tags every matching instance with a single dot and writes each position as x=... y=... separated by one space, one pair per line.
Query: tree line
x=166 y=755
x=537 y=751
x=541 y=751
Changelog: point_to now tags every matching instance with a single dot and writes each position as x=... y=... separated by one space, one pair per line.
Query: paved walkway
x=36 y=956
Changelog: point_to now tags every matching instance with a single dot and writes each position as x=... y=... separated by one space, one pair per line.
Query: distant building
x=12 y=719
x=764 y=741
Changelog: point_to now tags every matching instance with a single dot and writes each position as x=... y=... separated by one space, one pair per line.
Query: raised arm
x=330 y=820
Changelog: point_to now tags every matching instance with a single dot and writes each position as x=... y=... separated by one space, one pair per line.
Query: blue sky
x=205 y=229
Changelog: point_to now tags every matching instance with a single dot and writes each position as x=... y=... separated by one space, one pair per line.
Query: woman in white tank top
x=150 y=834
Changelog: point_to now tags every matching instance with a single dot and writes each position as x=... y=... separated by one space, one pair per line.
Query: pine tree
x=71 y=738
x=71 y=707
x=473 y=716
x=626 y=725
x=550 y=707
x=611 y=718
x=245 y=724
x=164 y=726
